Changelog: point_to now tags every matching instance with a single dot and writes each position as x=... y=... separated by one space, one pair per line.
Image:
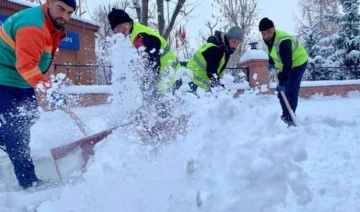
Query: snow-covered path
x=236 y=156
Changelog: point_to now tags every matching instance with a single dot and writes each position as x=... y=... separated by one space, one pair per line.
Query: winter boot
x=40 y=185
x=287 y=120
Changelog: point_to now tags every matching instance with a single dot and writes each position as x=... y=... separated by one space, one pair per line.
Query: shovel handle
x=76 y=119
x=288 y=107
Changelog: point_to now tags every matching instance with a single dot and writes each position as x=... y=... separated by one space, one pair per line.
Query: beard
x=58 y=22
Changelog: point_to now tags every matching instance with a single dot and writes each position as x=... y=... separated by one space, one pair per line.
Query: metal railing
x=331 y=73
x=239 y=74
x=92 y=74
x=85 y=74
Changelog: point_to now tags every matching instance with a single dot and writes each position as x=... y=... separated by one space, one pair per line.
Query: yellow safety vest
x=197 y=64
x=167 y=57
x=299 y=56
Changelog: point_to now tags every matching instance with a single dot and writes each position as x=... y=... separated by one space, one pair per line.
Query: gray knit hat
x=236 y=33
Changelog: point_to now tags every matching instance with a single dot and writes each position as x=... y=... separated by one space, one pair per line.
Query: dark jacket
x=152 y=46
x=213 y=55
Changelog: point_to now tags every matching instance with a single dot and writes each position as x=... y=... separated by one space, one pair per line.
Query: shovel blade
x=86 y=144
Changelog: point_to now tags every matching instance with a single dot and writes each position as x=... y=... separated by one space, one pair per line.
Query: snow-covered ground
x=236 y=155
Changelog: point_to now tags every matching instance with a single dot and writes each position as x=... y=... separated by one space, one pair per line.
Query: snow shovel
x=288 y=107
x=86 y=145
x=62 y=151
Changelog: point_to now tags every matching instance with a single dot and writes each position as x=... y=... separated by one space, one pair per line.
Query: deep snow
x=236 y=155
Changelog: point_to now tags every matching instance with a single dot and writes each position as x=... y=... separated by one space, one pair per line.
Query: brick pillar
x=258 y=74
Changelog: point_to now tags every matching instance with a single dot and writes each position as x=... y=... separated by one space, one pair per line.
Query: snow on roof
x=81 y=19
x=30 y=4
x=25 y=3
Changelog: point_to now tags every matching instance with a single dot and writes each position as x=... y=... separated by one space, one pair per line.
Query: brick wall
x=330 y=90
x=259 y=77
x=258 y=74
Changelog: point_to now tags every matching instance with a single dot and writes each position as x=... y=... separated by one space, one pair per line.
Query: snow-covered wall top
x=254 y=54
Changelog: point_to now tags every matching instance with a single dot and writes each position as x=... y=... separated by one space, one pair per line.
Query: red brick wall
x=9 y=8
x=341 y=90
x=258 y=74
x=259 y=69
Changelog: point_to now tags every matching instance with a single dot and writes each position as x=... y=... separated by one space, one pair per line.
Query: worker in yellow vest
x=160 y=63
x=290 y=58
x=154 y=48
x=209 y=61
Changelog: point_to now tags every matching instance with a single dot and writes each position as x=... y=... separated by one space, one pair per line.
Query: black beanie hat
x=118 y=16
x=265 y=24
x=70 y=3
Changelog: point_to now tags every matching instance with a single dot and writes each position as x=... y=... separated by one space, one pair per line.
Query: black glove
x=176 y=86
x=280 y=88
x=284 y=76
x=215 y=82
x=271 y=67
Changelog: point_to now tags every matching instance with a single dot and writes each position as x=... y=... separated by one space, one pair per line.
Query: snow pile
x=236 y=155
x=222 y=165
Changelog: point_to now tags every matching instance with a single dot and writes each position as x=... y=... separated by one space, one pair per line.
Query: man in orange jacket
x=28 y=42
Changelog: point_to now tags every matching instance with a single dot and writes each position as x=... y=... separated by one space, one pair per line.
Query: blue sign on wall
x=2 y=19
x=71 y=41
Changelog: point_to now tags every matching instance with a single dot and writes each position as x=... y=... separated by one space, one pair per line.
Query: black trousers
x=19 y=112
x=292 y=89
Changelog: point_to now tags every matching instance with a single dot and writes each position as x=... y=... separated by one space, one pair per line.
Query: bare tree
x=322 y=12
x=212 y=27
x=152 y=13
x=144 y=8
x=148 y=16
x=242 y=13
x=171 y=24
x=160 y=16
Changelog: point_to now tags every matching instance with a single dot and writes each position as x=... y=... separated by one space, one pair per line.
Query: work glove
x=193 y=87
x=271 y=67
x=283 y=76
x=178 y=83
x=280 y=88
